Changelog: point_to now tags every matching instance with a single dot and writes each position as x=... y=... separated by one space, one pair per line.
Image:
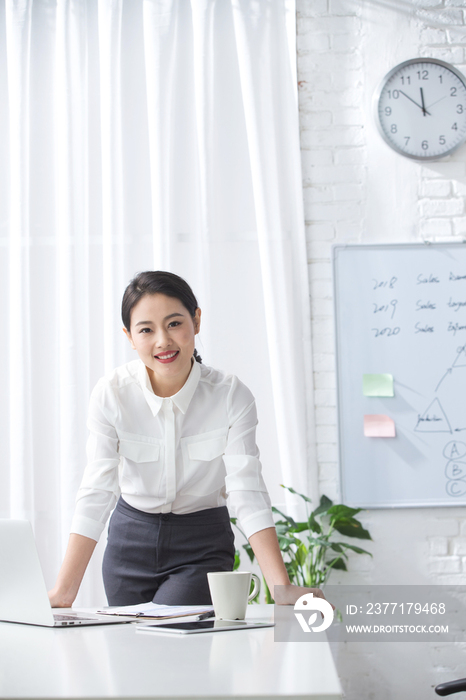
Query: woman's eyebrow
x=150 y=323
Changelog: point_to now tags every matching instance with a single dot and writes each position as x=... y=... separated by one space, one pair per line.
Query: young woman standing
x=170 y=441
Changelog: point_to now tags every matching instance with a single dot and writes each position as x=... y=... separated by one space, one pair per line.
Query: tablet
x=195 y=626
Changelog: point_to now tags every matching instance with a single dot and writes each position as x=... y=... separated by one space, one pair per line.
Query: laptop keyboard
x=62 y=618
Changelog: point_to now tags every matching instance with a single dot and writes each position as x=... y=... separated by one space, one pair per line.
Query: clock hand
x=424 y=111
x=417 y=105
x=434 y=103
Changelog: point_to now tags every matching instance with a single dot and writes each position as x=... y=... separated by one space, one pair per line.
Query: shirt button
x=164 y=517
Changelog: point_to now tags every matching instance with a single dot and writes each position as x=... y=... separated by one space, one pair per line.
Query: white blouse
x=179 y=454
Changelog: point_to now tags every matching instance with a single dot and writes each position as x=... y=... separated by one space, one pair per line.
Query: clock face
x=421 y=108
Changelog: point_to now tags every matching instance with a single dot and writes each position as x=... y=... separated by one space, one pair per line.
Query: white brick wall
x=351 y=181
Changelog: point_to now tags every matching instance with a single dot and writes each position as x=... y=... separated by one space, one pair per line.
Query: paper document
x=156 y=611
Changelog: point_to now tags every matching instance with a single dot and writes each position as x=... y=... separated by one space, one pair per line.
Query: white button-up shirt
x=179 y=454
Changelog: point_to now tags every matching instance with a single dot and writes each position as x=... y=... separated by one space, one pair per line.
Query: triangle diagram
x=433 y=420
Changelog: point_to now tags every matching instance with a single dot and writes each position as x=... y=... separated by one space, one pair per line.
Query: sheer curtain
x=140 y=134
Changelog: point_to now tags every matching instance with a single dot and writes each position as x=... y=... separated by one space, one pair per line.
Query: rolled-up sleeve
x=249 y=500
x=99 y=489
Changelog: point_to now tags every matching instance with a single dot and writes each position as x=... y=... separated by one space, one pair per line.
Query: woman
x=174 y=438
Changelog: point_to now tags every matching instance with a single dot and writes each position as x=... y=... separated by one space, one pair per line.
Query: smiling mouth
x=167 y=356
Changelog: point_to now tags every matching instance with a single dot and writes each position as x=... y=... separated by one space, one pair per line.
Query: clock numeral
x=407 y=78
x=440 y=78
x=453 y=92
x=455 y=126
x=425 y=145
x=407 y=140
x=388 y=111
x=459 y=109
x=393 y=128
x=393 y=93
x=442 y=140
x=423 y=74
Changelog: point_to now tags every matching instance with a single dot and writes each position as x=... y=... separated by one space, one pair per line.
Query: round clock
x=420 y=108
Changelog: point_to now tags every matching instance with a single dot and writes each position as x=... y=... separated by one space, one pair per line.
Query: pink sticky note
x=378 y=425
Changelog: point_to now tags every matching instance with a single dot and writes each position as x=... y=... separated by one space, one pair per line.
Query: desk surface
x=114 y=662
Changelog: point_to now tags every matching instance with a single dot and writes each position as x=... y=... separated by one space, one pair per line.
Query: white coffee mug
x=230 y=593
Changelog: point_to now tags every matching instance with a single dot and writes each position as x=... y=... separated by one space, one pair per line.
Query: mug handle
x=257 y=587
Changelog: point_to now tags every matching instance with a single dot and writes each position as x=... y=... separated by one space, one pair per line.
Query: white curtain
x=145 y=134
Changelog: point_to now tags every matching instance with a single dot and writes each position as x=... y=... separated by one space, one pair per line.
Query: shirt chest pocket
x=141 y=471
x=203 y=467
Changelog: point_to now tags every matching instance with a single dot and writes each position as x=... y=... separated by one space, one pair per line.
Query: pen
x=204 y=616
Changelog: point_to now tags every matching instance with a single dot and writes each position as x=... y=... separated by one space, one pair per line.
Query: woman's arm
x=265 y=546
x=77 y=556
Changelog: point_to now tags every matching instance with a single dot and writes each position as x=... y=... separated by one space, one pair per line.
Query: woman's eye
x=173 y=324
x=145 y=330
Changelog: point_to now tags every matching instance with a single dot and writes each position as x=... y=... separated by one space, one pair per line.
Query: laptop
x=23 y=594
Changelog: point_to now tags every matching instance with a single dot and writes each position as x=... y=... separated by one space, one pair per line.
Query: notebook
x=23 y=594
x=157 y=611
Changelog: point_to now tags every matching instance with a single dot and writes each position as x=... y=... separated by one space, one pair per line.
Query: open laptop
x=23 y=594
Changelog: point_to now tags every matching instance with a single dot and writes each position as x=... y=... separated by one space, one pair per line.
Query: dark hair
x=157 y=282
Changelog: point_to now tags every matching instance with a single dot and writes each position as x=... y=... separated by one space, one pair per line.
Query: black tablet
x=196 y=626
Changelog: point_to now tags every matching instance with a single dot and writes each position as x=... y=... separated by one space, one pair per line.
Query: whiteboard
x=401 y=310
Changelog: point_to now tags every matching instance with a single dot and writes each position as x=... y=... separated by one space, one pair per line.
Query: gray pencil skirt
x=165 y=557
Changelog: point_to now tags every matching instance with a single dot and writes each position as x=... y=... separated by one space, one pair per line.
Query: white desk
x=114 y=662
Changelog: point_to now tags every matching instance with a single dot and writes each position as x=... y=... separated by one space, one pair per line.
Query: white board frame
x=348 y=494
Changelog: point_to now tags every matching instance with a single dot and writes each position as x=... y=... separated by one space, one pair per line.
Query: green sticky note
x=377 y=385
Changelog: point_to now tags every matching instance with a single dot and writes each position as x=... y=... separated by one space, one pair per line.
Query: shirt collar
x=181 y=399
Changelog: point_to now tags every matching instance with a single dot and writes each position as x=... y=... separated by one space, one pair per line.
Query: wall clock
x=420 y=108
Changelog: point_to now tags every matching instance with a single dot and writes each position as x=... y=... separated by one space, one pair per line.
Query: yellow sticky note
x=378 y=425
x=377 y=384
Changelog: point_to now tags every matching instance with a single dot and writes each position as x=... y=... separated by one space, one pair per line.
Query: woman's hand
x=77 y=556
x=268 y=554
x=58 y=599
x=289 y=594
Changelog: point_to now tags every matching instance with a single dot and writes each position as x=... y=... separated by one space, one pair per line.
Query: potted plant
x=310 y=550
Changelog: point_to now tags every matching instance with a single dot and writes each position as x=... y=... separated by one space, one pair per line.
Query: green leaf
x=283 y=527
x=292 y=570
x=237 y=560
x=336 y=547
x=337 y=563
x=301 y=554
x=325 y=504
x=305 y=498
x=288 y=518
x=342 y=511
x=319 y=542
x=314 y=525
x=233 y=520
x=289 y=539
x=286 y=545
x=358 y=550
x=284 y=542
x=352 y=528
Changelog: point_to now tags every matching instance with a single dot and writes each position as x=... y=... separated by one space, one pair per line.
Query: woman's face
x=162 y=333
